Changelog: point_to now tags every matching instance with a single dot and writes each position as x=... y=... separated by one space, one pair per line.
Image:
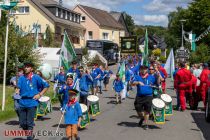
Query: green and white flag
x=67 y=54
x=122 y=72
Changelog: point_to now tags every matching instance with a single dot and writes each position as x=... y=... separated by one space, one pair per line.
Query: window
x=112 y=35
x=61 y=13
x=90 y=35
x=105 y=36
x=66 y=15
x=78 y=19
x=23 y=9
x=83 y=18
x=56 y=13
x=70 y=16
x=74 y=18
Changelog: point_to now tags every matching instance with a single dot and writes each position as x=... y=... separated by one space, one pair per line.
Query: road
x=120 y=122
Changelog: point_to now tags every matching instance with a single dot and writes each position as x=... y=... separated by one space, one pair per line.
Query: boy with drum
x=72 y=115
x=28 y=88
x=84 y=79
x=143 y=101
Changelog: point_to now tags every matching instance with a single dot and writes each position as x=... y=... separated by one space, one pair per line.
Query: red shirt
x=204 y=76
x=182 y=76
x=164 y=72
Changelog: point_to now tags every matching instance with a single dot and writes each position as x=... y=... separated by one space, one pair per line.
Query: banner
x=128 y=44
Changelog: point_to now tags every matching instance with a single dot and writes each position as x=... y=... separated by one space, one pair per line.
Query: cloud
x=176 y=1
x=158 y=6
x=159 y=20
x=165 y=6
x=107 y=5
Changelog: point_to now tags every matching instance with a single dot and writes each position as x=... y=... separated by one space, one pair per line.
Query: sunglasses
x=151 y=69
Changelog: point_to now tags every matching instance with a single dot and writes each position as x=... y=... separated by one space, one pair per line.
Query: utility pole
x=182 y=20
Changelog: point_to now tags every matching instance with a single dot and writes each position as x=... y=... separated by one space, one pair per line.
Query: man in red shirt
x=204 y=82
x=183 y=84
x=160 y=68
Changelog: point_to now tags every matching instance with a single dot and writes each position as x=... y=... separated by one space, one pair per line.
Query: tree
x=49 y=37
x=22 y=47
x=129 y=22
x=202 y=54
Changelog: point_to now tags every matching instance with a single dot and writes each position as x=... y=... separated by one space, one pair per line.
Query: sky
x=144 y=12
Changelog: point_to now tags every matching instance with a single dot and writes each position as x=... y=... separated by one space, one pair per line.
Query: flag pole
x=5 y=62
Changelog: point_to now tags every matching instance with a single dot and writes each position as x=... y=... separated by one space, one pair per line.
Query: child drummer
x=118 y=87
x=72 y=115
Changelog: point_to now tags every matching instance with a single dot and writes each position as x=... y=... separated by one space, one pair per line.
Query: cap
x=117 y=74
x=73 y=92
x=28 y=63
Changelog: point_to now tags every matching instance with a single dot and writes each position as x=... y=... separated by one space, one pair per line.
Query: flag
x=146 y=52
x=67 y=54
x=170 y=64
x=122 y=72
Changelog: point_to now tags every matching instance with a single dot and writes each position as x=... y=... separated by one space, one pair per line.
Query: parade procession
x=104 y=70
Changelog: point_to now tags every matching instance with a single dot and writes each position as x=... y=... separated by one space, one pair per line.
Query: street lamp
x=182 y=20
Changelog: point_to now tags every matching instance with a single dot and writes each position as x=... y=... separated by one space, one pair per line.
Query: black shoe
x=141 y=122
x=78 y=138
x=146 y=127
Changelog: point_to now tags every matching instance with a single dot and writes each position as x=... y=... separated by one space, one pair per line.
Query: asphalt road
x=120 y=122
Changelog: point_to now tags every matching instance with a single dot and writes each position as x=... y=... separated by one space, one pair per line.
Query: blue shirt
x=95 y=73
x=61 y=78
x=72 y=114
x=128 y=75
x=107 y=73
x=65 y=92
x=118 y=85
x=144 y=90
x=84 y=82
x=29 y=88
x=76 y=71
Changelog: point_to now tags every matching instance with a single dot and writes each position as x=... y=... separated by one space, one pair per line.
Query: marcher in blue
x=60 y=78
x=73 y=70
x=101 y=68
x=72 y=115
x=118 y=87
x=107 y=74
x=143 y=101
x=65 y=88
x=128 y=75
x=28 y=88
x=84 y=80
x=96 y=74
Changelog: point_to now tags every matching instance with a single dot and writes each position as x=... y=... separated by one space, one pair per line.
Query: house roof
x=42 y=3
x=115 y=15
x=160 y=42
x=101 y=17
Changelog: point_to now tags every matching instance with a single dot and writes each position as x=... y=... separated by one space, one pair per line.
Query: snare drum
x=168 y=101
x=158 y=111
x=44 y=106
x=85 y=116
x=93 y=101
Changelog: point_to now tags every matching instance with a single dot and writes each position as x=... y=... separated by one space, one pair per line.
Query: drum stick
x=60 y=120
